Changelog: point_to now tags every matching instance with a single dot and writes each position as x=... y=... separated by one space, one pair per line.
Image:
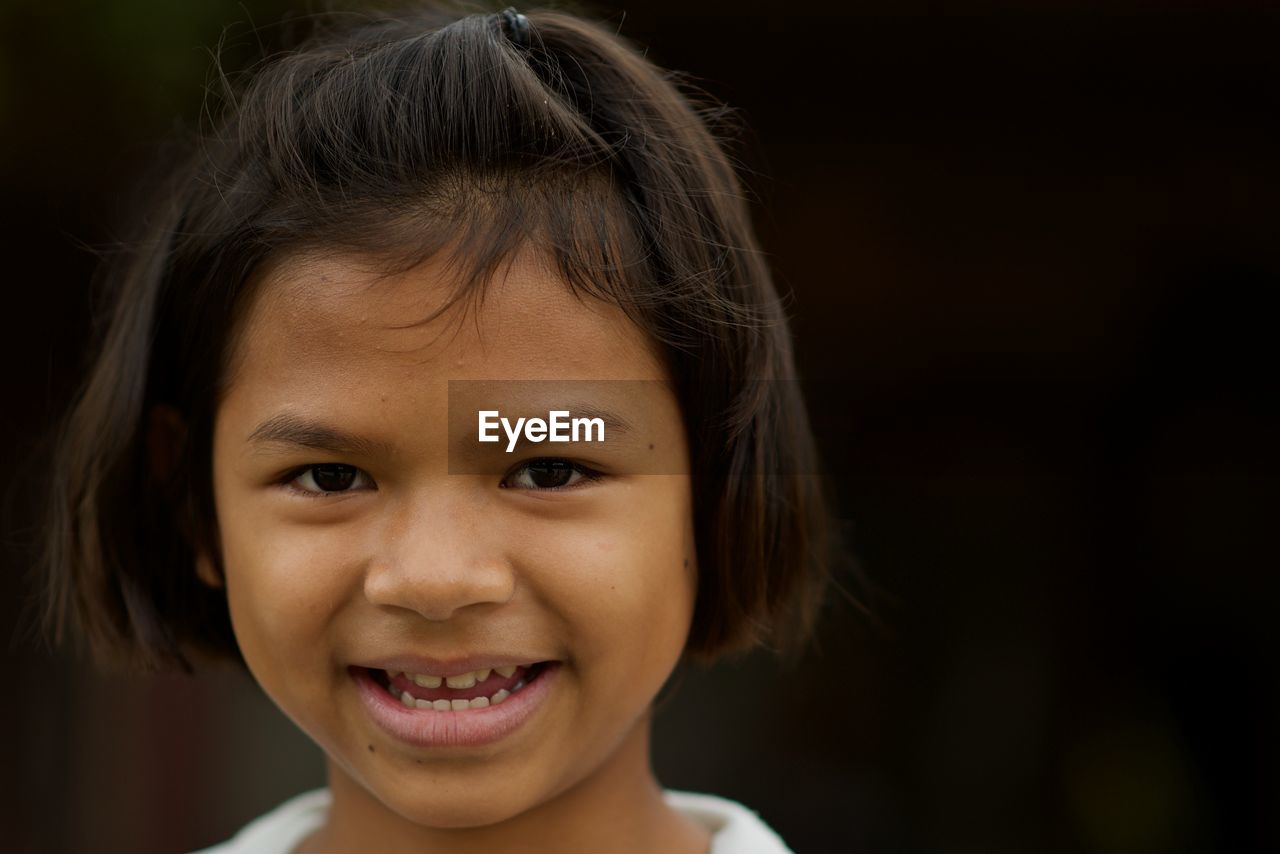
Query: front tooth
x=460 y=705
x=479 y=702
x=466 y=680
x=442 y=705
x=482 y=675
x=423 y=704
x=501 y=695
x=407 y=699
x=506 y=672
x=426 y=681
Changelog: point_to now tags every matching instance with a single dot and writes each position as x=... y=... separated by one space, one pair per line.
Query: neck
x=618 y=808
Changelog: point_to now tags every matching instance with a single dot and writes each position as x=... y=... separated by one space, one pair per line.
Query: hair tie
x=515 y=25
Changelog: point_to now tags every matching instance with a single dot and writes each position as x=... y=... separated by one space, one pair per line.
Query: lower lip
x=468 y=728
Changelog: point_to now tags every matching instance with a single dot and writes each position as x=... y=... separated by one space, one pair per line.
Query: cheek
x=283 y=585
x=621 y=582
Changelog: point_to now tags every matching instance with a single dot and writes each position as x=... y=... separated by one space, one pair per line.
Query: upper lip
x=415 y=663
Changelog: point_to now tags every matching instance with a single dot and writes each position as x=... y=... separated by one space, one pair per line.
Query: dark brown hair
x=393 y=136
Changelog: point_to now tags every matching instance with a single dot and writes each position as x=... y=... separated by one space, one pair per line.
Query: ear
x=166 y=441
x=205 y=571
x=166 y=436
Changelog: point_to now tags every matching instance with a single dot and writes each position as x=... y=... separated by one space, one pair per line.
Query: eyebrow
x=293 y=431
x=288 y=431
x=613 y=422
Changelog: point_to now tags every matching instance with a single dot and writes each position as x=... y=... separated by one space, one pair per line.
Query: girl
x=275 y=456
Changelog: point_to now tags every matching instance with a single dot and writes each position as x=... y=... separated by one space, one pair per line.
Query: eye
x=549 y=473
x=328 y=478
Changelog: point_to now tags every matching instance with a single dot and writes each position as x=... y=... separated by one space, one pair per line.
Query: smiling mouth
x=476 y=690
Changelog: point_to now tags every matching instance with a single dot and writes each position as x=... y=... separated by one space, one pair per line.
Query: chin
x=447 y=807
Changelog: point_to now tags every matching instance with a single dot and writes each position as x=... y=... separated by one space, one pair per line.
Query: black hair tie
x=515 y=25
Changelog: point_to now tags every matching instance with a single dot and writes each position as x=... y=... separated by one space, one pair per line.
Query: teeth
x=465 y=680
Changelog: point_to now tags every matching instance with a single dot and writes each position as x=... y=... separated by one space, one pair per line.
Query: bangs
x=578 y=224
x=452 y=143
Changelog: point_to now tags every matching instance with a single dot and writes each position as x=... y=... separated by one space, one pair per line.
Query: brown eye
x=548 y=474
x=328 y=477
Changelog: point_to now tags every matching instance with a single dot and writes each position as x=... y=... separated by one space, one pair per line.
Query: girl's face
x=349 y=549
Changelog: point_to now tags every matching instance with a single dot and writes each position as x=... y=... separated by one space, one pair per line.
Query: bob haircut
x=391 y=137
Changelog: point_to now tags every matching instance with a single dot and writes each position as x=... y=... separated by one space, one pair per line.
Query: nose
x=437 y=558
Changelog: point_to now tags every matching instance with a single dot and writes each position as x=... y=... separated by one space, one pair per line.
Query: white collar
x=734 y=828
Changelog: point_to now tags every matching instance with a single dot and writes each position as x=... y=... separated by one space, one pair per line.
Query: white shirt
x=734 y=828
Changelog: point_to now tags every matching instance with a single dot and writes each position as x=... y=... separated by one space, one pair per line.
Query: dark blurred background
x=1030 y=246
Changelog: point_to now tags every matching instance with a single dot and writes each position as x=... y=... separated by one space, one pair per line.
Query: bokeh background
x=1030 y=247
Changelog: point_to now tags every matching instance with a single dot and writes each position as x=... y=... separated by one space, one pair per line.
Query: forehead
x=338 y=319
